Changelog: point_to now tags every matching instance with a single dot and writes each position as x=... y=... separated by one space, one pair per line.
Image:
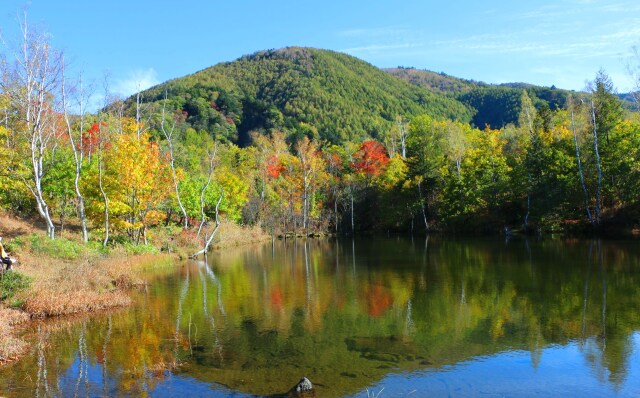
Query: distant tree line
x=348 y=149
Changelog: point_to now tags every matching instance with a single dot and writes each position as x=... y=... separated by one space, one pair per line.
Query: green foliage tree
x=426 y=156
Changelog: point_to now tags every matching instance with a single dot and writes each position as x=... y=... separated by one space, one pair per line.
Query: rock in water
x=304 y=385
x=304 y=389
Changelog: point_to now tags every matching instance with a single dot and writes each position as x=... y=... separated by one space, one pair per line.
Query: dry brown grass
x=46 y=304
x=231 y=234
x=12 y=317
x=61 y=288
x=12 y=227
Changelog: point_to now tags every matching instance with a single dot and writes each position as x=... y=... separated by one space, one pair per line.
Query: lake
x=377 y=317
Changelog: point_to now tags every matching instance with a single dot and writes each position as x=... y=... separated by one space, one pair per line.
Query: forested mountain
x=304 y=91
x=333 y=96
x=493 y=105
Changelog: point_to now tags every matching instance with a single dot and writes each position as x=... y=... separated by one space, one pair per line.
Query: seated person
x=4 y=257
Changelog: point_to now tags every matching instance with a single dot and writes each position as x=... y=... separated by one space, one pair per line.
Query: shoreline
x=77 y=288
x=67 y=278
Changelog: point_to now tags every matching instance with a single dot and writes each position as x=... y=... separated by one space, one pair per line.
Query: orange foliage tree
x=370 y=159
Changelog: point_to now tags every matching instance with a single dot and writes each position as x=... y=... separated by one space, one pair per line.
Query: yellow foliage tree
x=144 y=182
x=136 y=179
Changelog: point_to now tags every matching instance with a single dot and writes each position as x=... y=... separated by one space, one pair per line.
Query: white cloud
x=563 y=42
x=135 y=81
x=572 y=8
x=380 y=40
x=618 y=37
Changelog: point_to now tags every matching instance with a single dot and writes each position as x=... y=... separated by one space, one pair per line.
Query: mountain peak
x=301 y=90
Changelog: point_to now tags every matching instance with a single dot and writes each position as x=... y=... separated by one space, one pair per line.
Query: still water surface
x=395 y=317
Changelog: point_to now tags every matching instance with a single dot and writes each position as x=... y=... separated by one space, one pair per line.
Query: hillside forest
x=302 y=141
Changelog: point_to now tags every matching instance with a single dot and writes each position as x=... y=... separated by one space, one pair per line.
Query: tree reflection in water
x=259 y=318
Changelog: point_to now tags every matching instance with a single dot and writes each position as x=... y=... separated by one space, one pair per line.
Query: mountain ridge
x=496 y=105
x=333 y=96
x=306 y=91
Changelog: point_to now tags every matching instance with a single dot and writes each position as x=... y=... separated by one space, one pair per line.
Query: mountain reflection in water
x=416 y=317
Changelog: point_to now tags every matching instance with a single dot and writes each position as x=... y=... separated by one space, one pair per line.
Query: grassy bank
x=65 y=276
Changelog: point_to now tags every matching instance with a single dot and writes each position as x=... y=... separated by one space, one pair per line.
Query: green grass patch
x=11 y=283
x=131 y=248
x=57 y=248
x=66 y=249
x=16 y=244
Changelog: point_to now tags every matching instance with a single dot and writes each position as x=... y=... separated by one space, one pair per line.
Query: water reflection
x=409 y=316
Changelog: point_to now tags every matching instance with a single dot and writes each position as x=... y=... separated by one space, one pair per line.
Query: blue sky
x=140 y=43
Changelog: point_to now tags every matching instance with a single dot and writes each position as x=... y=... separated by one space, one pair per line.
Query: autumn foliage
x=90 y=138
x=274 y=167
x=370 y=159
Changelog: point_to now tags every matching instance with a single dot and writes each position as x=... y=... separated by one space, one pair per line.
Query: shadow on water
x=405 y=315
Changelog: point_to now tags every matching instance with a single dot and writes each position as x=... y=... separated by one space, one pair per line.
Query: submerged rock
x=303 y=385
x=303 y=389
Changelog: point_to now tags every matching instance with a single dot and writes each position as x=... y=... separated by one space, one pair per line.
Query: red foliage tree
x=370 y=159
x=90 y=138
x=274 y=167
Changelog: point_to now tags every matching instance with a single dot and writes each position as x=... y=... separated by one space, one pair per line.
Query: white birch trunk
x=584 y=186
x=212 y=158
x=78 y=157
x=209 y=239
x=169 y=137
x=422 y=205
x=34 y=77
